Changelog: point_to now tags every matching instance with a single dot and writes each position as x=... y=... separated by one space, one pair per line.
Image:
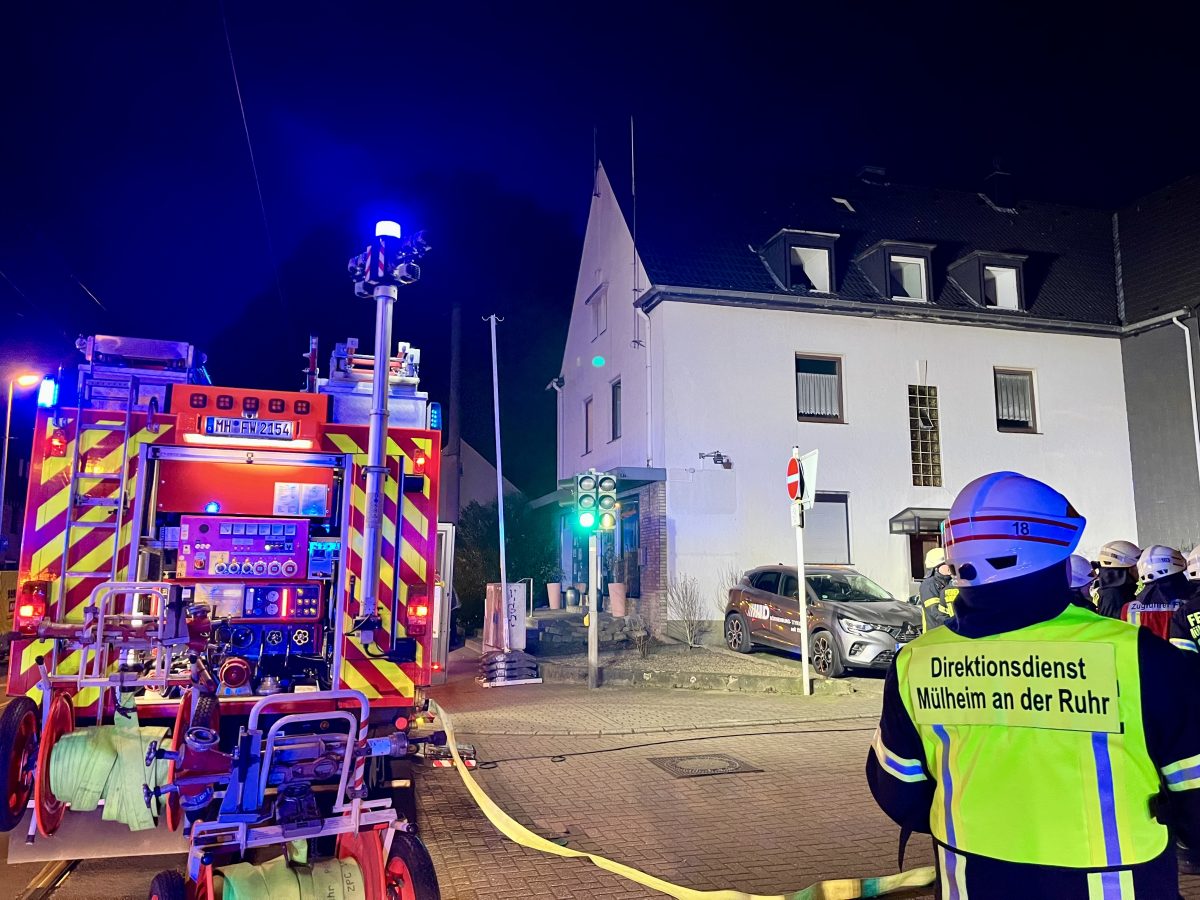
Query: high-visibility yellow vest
x=1035 y=740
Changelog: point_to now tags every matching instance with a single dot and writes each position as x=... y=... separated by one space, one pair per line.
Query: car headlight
x=856 y=627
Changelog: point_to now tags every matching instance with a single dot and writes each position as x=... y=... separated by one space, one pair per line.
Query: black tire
x=825 y=655
x=409 y=874
x=19 y=726
x=167 y=886
x=737 y=633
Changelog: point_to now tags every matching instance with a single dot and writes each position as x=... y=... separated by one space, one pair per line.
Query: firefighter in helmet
x=1164 y=589
x=1116 y=582
x=1081 y=576
x=1185 y=623
x=1049 y=751
x=937 y=596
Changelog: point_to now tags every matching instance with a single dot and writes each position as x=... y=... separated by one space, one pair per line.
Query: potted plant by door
x=616 y=598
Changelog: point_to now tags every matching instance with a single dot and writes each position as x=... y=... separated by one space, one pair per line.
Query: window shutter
x=1014 y=397
x=817 y=395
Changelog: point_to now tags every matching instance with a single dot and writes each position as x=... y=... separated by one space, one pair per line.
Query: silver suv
x=852 y=621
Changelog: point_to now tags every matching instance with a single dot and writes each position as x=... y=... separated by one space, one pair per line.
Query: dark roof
x=1159 y=235
x=1070 y=273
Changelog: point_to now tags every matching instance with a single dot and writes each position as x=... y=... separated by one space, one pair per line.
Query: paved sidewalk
x=541 y=709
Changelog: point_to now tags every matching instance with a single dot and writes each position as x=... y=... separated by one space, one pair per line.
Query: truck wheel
x=18 y=753
x=168 y=886
x=409 y=874
x=826 y=658
x=737 y=633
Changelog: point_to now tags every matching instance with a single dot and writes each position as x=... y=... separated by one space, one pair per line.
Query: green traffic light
x=587 y=519
x=598 y=361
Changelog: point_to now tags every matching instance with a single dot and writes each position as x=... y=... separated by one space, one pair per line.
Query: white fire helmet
x=1005 y=525
x=1158 y=562
x=1193 y=564
x=935 y=558
x=1080 y=572
x=1119 y=555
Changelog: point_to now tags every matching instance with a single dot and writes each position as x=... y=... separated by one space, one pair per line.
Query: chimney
x=1000 y=187
x=873 y=175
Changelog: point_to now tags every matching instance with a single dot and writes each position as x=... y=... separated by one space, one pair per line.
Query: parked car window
x=789 y=587
x=846 y=587
x=767 y=581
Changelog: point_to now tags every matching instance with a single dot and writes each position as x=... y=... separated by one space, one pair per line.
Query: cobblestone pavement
x=809 y=815
x=806 y=816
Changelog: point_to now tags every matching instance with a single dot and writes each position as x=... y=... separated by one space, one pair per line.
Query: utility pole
x=493 y=319
x=452 y=470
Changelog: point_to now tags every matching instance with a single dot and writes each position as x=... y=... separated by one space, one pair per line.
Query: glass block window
x=924 y=434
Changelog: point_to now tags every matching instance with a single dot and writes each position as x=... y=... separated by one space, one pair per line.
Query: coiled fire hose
x=330 y=879
x=108 y=762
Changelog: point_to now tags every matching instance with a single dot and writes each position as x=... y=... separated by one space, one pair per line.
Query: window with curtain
x=818 y=389
x=1015 y=402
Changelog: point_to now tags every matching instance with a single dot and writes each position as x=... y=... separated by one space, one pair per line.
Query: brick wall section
x=652 y=524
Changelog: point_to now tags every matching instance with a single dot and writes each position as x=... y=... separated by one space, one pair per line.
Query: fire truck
x=203 y=653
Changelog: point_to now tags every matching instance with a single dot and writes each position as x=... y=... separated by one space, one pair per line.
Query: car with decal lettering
x=853 y=623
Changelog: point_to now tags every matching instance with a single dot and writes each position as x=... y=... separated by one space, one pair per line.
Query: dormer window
x=899 y=270
x=907 y=278
x=1002 y=287
x=992 y=280
x=802 y=261
x=811 y=265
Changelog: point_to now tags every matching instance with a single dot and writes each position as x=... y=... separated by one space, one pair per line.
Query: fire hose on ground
x=833 y=889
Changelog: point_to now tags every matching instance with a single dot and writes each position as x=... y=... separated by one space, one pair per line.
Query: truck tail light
x=418 y=616
x=30 y=607
x=58 y=443
x=419 y=462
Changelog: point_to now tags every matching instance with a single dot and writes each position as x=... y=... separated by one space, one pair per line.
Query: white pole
x=500 y=491
x=802 y=586
x=1191 y=373
x=376 y=468
x=593 y=611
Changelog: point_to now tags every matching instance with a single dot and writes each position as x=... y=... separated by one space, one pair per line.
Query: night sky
x=126 y=170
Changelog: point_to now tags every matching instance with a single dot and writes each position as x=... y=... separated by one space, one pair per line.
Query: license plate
x=268 y=429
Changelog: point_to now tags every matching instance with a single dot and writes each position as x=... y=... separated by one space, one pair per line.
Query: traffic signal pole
x=593 y=610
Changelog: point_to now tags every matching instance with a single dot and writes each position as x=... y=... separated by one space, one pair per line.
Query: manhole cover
x=703 y=764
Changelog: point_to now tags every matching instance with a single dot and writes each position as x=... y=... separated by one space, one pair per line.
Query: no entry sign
x=793 y=478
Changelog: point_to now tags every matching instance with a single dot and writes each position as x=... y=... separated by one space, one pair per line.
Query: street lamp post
x=25 y=380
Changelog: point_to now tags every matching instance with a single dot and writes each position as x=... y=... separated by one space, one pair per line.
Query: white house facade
x=915 y=339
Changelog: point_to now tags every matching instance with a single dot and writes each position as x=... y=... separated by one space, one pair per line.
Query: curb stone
x=697 y=681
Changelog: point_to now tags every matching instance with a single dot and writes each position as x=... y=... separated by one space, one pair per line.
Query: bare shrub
x=639 y=628
x=687 y=604
x=729 y=575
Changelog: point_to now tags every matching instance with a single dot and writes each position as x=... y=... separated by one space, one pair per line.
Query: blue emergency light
x=212 y=507
x=435 y=416
x=47 y=396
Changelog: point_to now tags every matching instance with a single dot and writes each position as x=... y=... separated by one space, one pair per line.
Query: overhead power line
x=253 y=165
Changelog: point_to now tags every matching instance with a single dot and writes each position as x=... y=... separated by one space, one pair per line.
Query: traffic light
x=606 y=501
x=585 y=500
